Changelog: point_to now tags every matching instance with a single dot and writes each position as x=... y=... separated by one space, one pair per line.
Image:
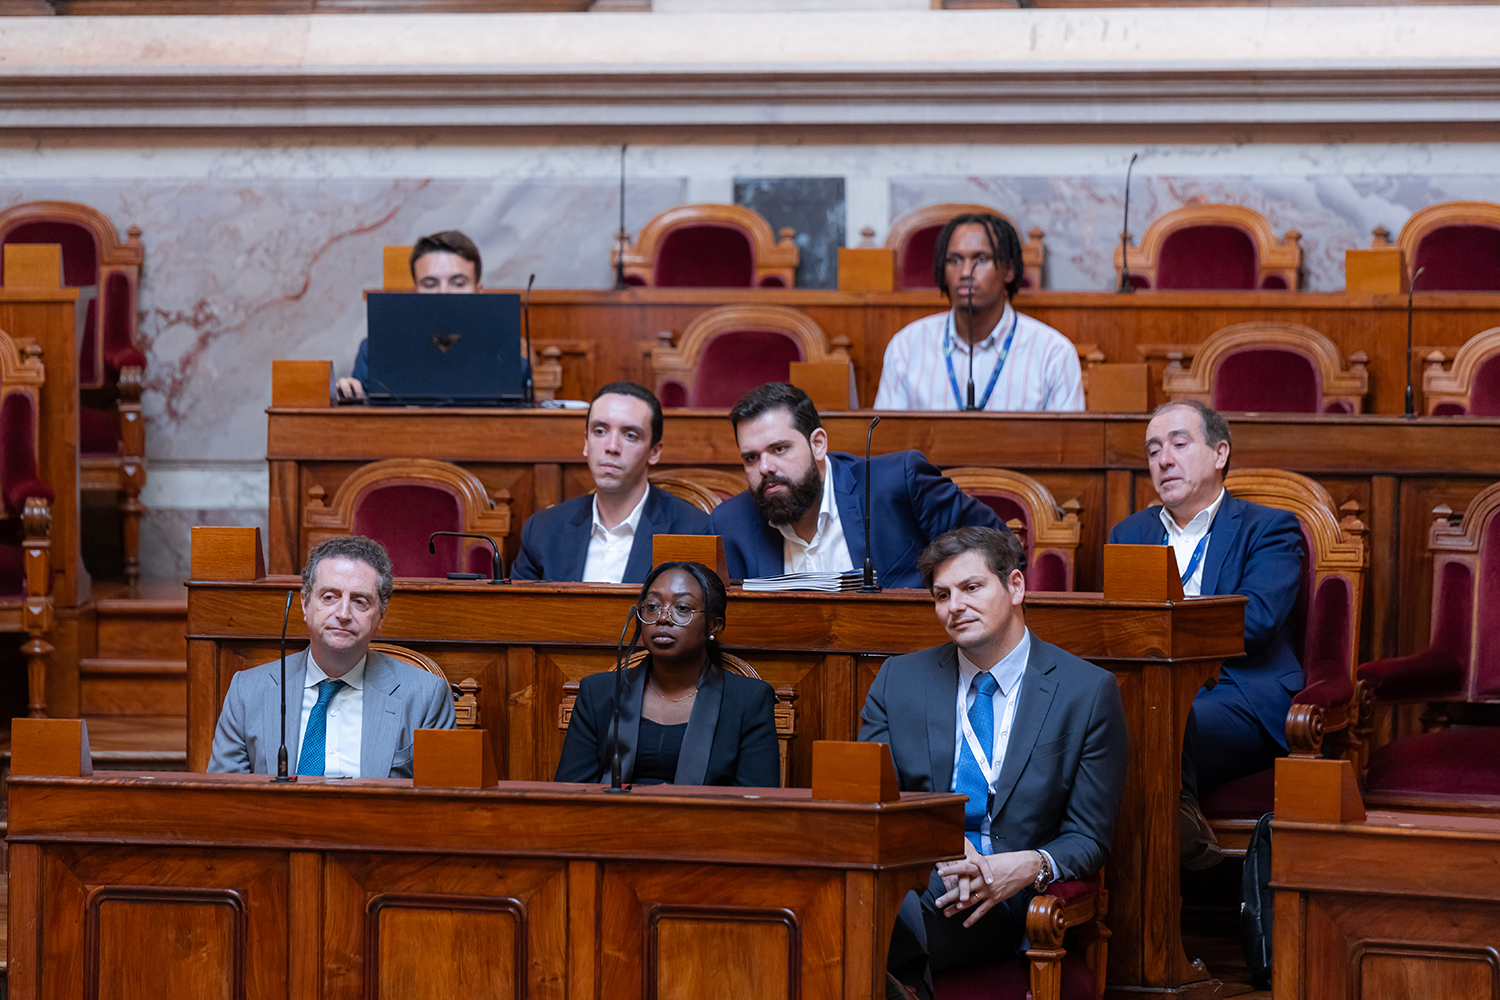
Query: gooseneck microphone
x=620 y=236
x=1125 y=285
x=870 y=586
x=281 y=764
x=970 y=309
x=616 y=753
x=496 y=565
x=530 y=368
x=1411 y=290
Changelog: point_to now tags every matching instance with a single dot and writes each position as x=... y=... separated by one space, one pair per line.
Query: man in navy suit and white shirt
x=804 y=511
x=606 y=537
x=1034 y=736
x=1223 y=546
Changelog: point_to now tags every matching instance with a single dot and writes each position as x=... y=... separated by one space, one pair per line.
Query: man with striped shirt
x=1018 y=363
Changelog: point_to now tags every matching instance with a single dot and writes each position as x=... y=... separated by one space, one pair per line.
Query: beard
x=790 y=504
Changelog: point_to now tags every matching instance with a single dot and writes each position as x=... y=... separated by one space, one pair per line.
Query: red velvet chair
x=1208 y=247
x=729 y=350
x=1458 y=245
x=1471 y=386
x=1442 y=769
x=112 y=433
x=1269 y=368
x=1050 y=533
x=1052 y=972
x=1326 y=620
x=710 y=246
x=25 y=516
x=400 y=501
x=913 y=238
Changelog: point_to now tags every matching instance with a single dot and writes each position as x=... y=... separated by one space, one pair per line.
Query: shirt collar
x=314 y=675
x=1007 y=672
x=631 y=522
x=827 y=509
x=990 y=342
x=1200 y=522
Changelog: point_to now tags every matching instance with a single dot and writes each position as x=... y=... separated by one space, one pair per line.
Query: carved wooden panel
x=767 y=937
x=146 y=942
x=486 y=939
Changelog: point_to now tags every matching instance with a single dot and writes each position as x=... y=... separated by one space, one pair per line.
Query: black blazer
x=1064 y=768
x=731 y=734
x=555 y=541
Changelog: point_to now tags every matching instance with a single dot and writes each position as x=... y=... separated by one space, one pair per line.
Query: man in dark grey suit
x=350 y=713
x=1034 y=736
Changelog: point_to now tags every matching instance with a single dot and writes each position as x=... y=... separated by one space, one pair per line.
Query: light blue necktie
x=313 y=758
x=971 y=780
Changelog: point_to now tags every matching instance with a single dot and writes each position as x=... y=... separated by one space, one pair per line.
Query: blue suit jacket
x=1255 y=551
x=911 y=504
x=555 y=541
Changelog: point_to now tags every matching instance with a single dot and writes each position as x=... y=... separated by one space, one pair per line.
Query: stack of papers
x=827 y=583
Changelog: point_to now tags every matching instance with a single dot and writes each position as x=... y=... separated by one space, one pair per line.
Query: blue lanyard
x=999 y=361
x=1192 y=566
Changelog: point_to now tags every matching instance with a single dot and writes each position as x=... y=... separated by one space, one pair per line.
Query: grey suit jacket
x=1064 y=770
x=398 y=700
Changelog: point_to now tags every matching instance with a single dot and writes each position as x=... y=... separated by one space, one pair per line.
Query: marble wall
x=255 y=253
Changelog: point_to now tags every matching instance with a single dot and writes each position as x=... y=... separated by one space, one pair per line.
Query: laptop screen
x=445 y=350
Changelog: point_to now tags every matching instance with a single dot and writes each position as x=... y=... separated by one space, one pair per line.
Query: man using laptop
x=445 y=263
x=605 y=537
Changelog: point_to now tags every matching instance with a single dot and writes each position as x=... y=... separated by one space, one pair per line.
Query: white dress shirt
x=1185 y=540
x=609 y=548
x=1041 y=372
x=345 y=719
x=828 y=552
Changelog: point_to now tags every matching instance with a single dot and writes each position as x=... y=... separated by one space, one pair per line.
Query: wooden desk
x=1400 y=905
x=1396 y=470
x=603 y=334
x=170 y=886
x=522 y=642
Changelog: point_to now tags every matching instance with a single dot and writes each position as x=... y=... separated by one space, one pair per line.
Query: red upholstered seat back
x=119 y=349
x=80 y=255
x=916 y=258
x=1269 y=380
x=705 y=257
x=1327 y=621
x=1487 y=651
x=88 y=352
x=1208 y=258
x=19 y=477
x=1484 y=393
x=737 y=361
x=1453 y=611
x=401 y=516
x=1459 y=259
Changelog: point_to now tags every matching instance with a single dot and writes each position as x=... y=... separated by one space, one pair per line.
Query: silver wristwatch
x=1043 y=877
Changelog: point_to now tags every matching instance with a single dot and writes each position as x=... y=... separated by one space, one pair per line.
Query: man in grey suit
x=1034 y=736
x=350 y=713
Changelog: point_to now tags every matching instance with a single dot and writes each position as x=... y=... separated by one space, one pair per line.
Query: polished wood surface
x=622 y=327
x=1400 y=905
x=525 y=641
x=1396 y=470
x=157 y=885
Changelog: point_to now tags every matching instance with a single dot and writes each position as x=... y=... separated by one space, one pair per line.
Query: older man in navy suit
x=804 y=511
x=605 y=537
x=1223 y=546
x=1034 y=736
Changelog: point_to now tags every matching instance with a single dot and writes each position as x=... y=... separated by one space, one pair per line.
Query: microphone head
x=431 y=547
x=529 y=281
x=874 y=422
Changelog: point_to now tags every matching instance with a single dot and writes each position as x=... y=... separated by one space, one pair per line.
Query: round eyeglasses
x=651 y=613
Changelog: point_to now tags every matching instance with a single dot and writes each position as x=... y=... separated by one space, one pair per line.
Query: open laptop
x=445 y=350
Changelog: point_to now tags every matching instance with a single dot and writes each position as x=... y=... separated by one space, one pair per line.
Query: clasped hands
x=980 y=881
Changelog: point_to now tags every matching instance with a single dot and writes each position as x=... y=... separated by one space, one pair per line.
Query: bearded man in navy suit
x=804 y=511
x=1223 y=546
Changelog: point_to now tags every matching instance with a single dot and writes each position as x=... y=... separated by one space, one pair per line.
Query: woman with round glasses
x=684 y=719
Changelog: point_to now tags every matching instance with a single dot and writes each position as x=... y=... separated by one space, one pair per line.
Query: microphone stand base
x=284 y=779
x=868 y=590
x=622 y=790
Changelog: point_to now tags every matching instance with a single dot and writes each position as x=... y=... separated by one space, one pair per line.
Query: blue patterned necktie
x=971 y=780
x=313 y=758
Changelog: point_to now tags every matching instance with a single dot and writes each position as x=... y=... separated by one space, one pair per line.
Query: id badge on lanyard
x=982 y=754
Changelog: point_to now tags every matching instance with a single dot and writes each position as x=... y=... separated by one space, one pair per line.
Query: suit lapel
x=296 y=677
x=941 y=712
x=638 y=566
x=698 y=741
x=380 y=723
x=1222 y=532
x=576 y=545
x=630 y=724
x=848 y=494
x=1037 y=690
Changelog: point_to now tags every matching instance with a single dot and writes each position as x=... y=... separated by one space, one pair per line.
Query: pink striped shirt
x=1041 y=372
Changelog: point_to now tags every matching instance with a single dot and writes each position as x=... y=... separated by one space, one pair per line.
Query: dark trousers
x=1225 y=739
x=924 y=941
